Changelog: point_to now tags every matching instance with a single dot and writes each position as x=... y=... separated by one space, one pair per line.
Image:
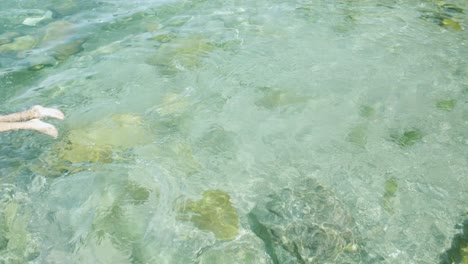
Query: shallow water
x=168 y=102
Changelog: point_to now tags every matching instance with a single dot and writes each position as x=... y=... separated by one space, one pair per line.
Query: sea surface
x=233 y=131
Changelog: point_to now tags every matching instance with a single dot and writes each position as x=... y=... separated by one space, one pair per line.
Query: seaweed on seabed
x=458 y=252
x=408 y=137
x=445 y=15
x=214 y=212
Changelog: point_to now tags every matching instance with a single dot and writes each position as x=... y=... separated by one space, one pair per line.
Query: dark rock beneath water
x=458 y=252
x=307 y=224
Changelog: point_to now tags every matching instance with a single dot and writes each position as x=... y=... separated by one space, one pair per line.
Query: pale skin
x=30 y=120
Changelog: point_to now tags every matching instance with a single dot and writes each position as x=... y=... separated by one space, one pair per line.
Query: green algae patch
x=367 y=111
x=450 y=8
x=458 y=252
x=213 y=213
x=452 y=24
x=407 y=138
x=358 y=135
x=391 y=188
x=135 y=193
x=59 y=39
x=445 y=15
x=272 y=98
x=446 y=105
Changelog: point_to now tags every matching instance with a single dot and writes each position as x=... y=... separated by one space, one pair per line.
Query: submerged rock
x=391 y=188
x=214 y=213
x=445 y=15
x=458 y=252
x=63 y=51
x=8 y=37
x=54 y=42
x=307 y=224
x=64 y=8
x=33 y=21
x=99 y=142
x=61 y=39
x=19 y=44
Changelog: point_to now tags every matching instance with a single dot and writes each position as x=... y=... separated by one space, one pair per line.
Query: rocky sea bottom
x=236 y=132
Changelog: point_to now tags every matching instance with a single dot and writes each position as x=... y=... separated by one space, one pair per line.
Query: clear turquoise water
x=369 y=98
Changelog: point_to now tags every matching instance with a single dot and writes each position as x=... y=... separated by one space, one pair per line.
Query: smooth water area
x=282 y=131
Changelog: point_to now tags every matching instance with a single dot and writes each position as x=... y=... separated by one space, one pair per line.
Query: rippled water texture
x=236 y=131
